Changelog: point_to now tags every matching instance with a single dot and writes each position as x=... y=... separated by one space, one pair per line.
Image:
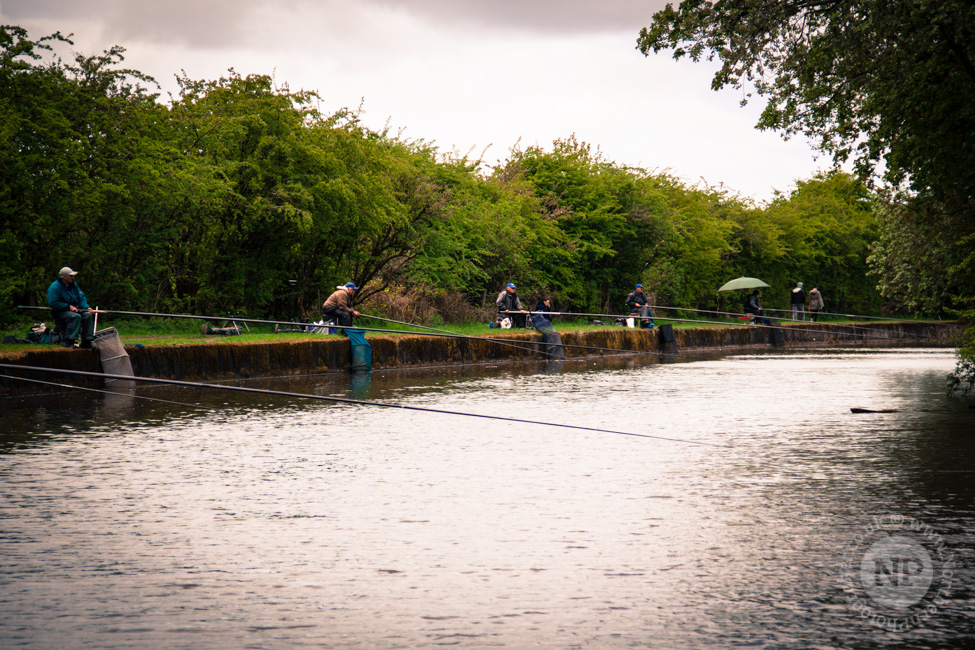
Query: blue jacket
x=61 y=295
x=539 y=319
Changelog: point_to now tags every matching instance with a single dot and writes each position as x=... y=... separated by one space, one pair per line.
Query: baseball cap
x=351 y=285
x=66 y=271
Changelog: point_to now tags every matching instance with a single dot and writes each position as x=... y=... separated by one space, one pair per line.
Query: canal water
x=774 y=518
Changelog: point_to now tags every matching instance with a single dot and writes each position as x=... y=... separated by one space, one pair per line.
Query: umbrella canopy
x=742 y=283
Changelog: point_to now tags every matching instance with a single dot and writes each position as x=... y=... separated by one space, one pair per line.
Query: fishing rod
x=855 y=332
x=832 y=313
x=529 y=346
x=108 y=392
x=237 y=319
x=487 y=338
x=846 y=325
x=675 y=355
x=439 y=333
x=841 y=325
x=339 y=400
x=444 y=335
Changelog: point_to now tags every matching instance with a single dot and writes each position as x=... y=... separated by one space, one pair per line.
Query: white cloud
x=463 y=74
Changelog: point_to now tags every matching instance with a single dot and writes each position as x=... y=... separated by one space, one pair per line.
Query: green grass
x=178 y=331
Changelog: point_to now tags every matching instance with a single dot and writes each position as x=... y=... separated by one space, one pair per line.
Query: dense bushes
x=213 y=202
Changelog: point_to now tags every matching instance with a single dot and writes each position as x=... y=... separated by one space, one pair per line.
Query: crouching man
x=339 y=305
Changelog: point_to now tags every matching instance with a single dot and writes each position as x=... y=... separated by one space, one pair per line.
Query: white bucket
x=631 y=322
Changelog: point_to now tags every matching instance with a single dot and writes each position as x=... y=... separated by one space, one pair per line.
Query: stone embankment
x=225 y=359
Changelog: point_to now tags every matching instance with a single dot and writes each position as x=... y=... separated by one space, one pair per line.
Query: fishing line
x=234 y=319
x=108 y=392
x=341 y=400
x=502 y=341
x=832 y=313
x=523 y=347
x=858 y=330
x=794 y=328
x=527 y=346
x=821 y=313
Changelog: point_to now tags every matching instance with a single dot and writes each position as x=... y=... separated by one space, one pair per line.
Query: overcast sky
x=467 y=75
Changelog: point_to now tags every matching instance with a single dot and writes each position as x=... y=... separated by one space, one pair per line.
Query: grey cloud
x=197 y=23
x=213 y=24
x=570 y=16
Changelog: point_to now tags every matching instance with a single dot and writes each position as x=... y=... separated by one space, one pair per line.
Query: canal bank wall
x=226 y=359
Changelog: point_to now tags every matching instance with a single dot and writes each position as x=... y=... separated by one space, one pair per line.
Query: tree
x=887 y=85
x=872 y=80
x=827 y=227
x=81 y=155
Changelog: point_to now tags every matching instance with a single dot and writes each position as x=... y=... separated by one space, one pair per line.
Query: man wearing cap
x=339 y=305
x=798 y=302
x=509 y=303
x=638 y=304
x=70 y=310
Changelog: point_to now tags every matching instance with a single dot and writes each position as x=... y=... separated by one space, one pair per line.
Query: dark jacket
x=541 y=320
x=61 y=296
x=636 y=299
x=751 y=305
x=508 y=302
x=798 y=296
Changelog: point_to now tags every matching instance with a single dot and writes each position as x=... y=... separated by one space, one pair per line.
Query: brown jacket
x=815 y=300
x=340 y=300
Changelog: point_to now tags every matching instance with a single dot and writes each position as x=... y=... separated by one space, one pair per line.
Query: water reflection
x=232 y=520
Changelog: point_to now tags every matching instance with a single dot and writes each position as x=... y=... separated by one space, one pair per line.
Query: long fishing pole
x=445 y=335
x=846 y=325
x=487 y=338
x=529 y=346
x=522 y=345
x=339 y=400
x=857 y=330
x=863 y=316
x=676 y=355
x=440 y=333
x=108 y=392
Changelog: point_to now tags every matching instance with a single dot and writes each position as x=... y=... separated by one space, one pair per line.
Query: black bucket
x=666 y=339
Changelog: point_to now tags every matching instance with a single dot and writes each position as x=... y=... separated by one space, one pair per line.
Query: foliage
x=826 y=225
x=870 y=79
x=215 y=202
x=889 y=86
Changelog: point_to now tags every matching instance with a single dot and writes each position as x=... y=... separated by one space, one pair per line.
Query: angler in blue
x=70 y=310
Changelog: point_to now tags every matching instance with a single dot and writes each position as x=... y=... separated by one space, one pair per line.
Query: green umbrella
x=742 y=283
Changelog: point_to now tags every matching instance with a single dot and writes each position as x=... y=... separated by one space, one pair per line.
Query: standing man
x=339 y=305
x=509 y=303
x=798 y=303
x=638 y=304
x=70 y=310
x=815 y=303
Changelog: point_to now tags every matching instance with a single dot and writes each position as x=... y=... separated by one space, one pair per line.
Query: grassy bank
x=172 y=331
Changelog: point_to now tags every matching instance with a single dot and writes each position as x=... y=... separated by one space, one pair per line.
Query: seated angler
x=338 y=306
x=70 y=311
x=637 y=303
x=509 y=304
x=542 y=316
x=752 y=308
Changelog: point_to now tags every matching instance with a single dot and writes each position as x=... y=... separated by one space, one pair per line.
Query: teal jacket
x=61 y=295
